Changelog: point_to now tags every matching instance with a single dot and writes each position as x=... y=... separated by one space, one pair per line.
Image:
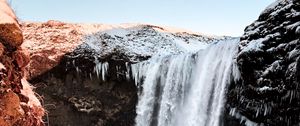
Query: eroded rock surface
x=18 y=105
x=269 y=91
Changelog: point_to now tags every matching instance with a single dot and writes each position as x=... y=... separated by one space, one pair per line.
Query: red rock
x=10 y=32
x=22 y=57
x=10 y=107
x=53 y=23
x=1 y=49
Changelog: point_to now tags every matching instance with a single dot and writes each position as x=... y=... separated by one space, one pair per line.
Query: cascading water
x=186 y=89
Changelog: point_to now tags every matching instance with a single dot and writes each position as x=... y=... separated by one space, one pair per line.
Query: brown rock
x=11 y=110
x=53 y=23
x=22 y=57
x=1 y=49
x=11 y=35
x=10 y=32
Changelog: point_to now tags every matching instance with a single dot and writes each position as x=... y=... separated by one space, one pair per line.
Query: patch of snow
x=271 y=6
x=273 y=67
x=141 y=40
x=292 y=26
x=297 y=30
x=276 y=12
x=118 y=32
x=293 y=54
x=192 y=46
x=254 y=45
x=265 y=88
x=102 y=40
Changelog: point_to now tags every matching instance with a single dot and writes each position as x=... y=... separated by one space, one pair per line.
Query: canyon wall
x=18 y=104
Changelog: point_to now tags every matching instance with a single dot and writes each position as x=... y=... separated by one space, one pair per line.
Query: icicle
x=101 y=69
x=187 y=93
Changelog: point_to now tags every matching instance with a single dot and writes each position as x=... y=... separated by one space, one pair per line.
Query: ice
x=243 y=119
x=254 y=45
x=101 y=69
x=142 y=40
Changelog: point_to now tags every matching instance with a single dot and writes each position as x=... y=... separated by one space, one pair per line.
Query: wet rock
x=75 y=95
x=269 y=90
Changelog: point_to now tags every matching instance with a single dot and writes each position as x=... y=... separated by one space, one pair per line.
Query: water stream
x=185 y=89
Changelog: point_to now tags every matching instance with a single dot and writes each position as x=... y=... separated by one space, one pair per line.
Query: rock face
x=18 y=104
x=269 y=91
x=49 y=42
x=74 y=94
x=81 y=70
x=10 y=33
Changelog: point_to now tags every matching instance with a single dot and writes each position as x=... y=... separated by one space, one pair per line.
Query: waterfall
x=185 y=89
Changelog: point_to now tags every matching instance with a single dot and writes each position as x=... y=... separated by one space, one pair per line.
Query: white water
x=185 y=90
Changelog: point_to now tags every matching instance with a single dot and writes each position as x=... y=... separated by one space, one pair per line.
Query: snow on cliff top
x=102 y=40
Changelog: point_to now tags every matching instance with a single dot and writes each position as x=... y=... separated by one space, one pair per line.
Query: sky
x=213 y=17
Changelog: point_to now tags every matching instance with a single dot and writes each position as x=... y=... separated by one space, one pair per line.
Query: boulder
x=10 y=32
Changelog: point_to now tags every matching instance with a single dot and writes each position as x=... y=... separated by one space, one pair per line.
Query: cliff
x=18 y=104
x=83 y=70
x=269 y=63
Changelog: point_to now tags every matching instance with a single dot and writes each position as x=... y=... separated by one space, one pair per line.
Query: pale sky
x=215 y=17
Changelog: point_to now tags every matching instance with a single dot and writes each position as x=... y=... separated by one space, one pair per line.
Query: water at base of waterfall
x=186 y=89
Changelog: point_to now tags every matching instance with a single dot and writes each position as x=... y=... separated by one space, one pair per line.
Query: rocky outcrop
x=10 y=32
x=269 y=56
x=48 y=42
x=82 y=70
x=74 y=94
x=18 y=104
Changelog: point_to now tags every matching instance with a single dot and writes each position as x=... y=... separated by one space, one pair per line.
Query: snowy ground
x=102 y=40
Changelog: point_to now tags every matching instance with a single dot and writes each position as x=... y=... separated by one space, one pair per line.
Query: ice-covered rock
x=269 y=91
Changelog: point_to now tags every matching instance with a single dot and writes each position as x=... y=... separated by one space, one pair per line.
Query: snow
x=129 y=42
x=254 y=45
x=294 y=25
x=275 y=66
x=265 y=88
x=141 y=40
x=293 y=54
x=298 y=30
x=276 y=12
x=271 y=6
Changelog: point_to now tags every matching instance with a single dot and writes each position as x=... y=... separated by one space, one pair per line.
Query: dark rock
x=269 y=90
x=75 y=95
